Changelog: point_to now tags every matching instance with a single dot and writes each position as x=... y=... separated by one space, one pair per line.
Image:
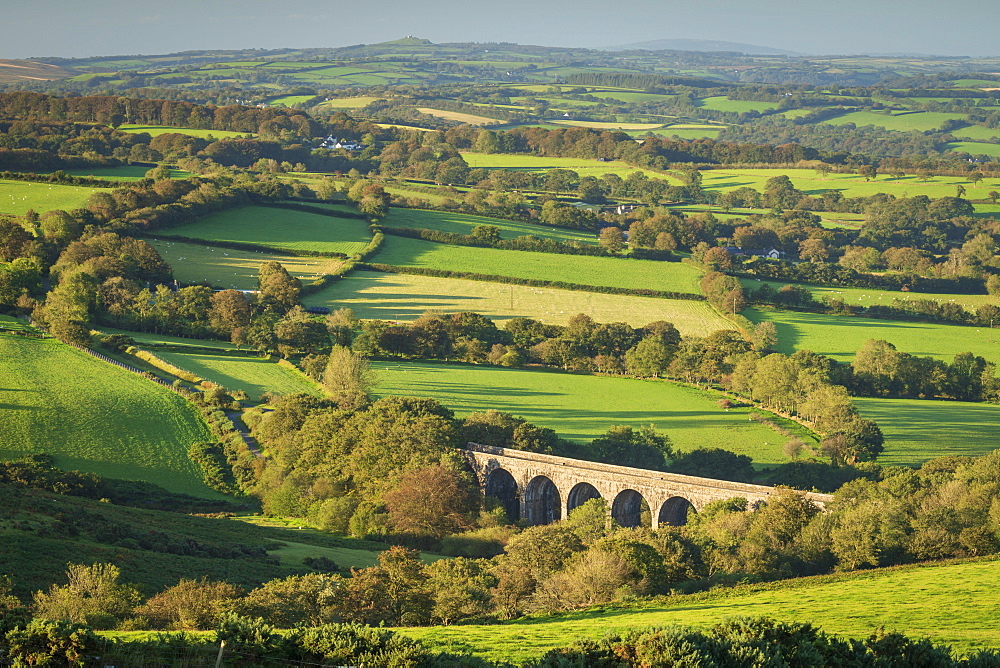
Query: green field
x=917 y=430
x=537 y=163
x=977 y=133
x=38 y=559
x=157 y=130
x=796 y=113
x=93 y=416
x=280 y=228
x=149 y=338
x=920 y=121
x=253 y=375
x=581 y=269
x=331 y=206
x=229 y=268
x=405 y=297
x=608 y=125
x=975 y=148
x=851 y=185
x=458 y=116
x=841 y=337
x=461 y=223
x=868 y=297
x=723 y=103
x=12 y=324
x=632 y=97
x=687 y=133
x=952 y=604
x=18 y=197
x=289 y=100
x=347 y=102
x=122 y=173
x=581 y=407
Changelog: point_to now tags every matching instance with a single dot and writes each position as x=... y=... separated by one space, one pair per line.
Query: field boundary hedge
x=305 y=208
x=239 y=245
x=535 y=283
x=323 y=281
x=788 y=273
x=163 y=365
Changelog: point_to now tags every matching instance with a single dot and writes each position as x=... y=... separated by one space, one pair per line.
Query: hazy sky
x=79 y=28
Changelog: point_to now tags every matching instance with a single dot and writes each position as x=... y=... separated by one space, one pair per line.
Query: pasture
x=538 y=163
x=840 y=337
x=869 y=297
x=471 y=119
x=723 y=103
x=977 y=133
x=607 y=125
x=630 y=97
x=582 y=407
x=581 y=269
x=851 y=185
x=145 y=339
x=403 y=297
x=688 y=132
x=253 y=375
x=920 y=121
x=917 y=430
x=461 y=223
x=122 y=173
x=347 y=102
x=237 y=269
x=275 y=227
x=975 y=148
x=19 y=197
x=909 y=599
x=92 y=416
x=289 y=100
x=331 y=206
x=157 y=130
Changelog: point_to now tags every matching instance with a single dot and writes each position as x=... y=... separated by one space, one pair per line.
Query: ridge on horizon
x=704 y=45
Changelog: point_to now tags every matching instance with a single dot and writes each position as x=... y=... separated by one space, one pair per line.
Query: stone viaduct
x=542 y=488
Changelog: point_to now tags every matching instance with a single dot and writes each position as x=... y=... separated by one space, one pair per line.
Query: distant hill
x=409 y=40
x=703 y=45
x=16 y=71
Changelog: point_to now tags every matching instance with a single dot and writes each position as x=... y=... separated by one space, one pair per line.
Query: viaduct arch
x=541 y=489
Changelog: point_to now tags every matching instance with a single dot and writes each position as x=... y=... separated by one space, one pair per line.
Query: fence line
x=128 y=367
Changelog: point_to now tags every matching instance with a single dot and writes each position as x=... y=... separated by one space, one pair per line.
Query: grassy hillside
x=253 y=375
x=405 y=297
x=581 y=269
x=93 y=416
x=537 y=163
x=582 y=407
x=280 y=228
x=18 y=197
x=461 y=223
x=917 y=430
x=920 y=121
x=122 y=172
x=723 y=103
x=157 y=130
x=148 y=338
x=911 y=600
x=229 y=268
x=851 y=185
x=37 y=532
x=841 y=337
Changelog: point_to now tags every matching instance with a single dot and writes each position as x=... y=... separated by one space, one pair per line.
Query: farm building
x=766 y=253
